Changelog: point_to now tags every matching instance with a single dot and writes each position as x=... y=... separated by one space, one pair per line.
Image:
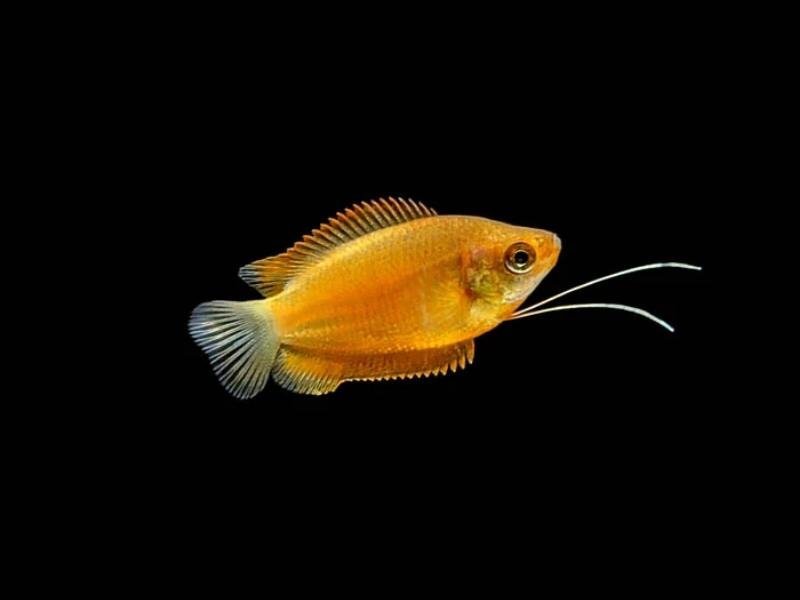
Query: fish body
x=387 y=289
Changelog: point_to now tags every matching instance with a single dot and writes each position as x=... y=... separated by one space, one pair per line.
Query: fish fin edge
x=306 y=372
x=241 y=343
x=271 y=275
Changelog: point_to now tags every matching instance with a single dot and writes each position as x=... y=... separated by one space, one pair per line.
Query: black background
x=581 y=422
x=160 y=152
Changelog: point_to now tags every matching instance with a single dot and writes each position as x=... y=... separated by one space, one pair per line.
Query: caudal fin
x=240 y=341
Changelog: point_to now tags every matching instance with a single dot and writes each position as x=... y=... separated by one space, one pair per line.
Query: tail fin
x=240 y=340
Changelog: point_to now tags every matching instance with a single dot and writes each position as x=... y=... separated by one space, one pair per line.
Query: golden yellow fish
x=387 y=289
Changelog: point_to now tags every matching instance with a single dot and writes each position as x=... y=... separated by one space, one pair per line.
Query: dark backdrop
x=586 y=445
x=593 y=416
x=571 y=431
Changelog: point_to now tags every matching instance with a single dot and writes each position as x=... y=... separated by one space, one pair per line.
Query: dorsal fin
x=270 y=275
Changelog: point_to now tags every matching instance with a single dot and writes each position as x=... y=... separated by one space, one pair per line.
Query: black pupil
x=520 y=258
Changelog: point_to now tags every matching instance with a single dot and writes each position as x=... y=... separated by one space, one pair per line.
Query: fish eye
x=520 y=258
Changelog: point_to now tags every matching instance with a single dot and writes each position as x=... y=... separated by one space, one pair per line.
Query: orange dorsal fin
x=312 y=372
x=270 y=275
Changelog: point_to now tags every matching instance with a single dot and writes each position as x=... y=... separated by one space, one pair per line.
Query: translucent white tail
x=240 y=341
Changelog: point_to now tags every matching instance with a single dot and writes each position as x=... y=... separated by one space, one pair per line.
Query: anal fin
x=313 y=372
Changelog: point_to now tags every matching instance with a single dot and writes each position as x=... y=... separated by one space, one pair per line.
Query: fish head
x=506 y=263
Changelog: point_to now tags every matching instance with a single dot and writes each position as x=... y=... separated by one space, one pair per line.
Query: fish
x=386 y=289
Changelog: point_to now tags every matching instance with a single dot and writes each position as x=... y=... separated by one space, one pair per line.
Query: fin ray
x=270 y=275
x=240 y=341
x=309 y=372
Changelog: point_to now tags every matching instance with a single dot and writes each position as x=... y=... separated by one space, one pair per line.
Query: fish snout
x=549 y=247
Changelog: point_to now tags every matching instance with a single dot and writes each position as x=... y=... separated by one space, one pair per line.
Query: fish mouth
x=549 y=250
x=557 y=246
